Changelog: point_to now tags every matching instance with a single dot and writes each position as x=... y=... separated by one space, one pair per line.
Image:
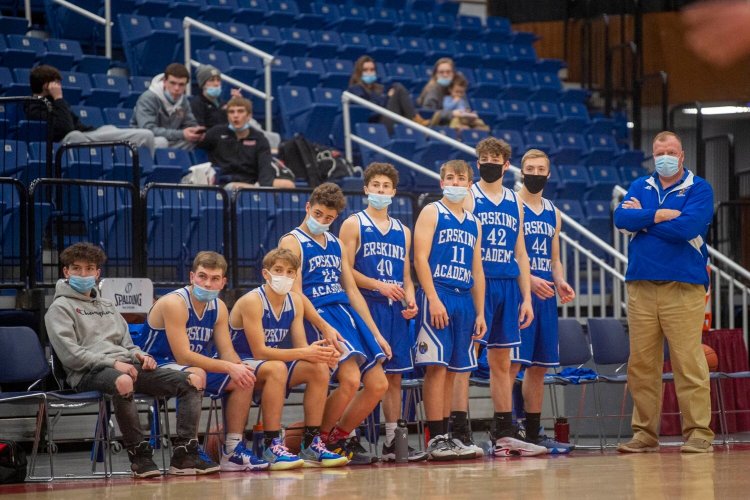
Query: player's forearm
x=424 y=275
x=558 y=273
x=311 y=314
x=284 y=355
x=208 y=364
x=364 y=282
x=524 y=279
x=477 y=292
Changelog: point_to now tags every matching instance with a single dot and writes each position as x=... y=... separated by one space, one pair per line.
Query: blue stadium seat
x=487 y=109
x=216 y=58
x=325 y=44
x=75 y=83
x=300 y=115
x=206 y=230
x=265 y=38
x=354 y=45
x=630 y=157
x=245 y=67
x=384 y=47
x=148 y=50
x=398 y=72
x=497 y=29
x=119 y=117
x=381 y=21
x=411 y=23
x=469 y=28
x=439 y=25
x=574 y=117
x=603 y=180
x=171 y=156
x=217 y=10
x=554 y=183
x=68 y=48
x=14 y=157
x=13 y=25
x=308 y=71
x=406 y=140
x=544 y=115
x=308 y=19
x=290 y=211
x=250 y=11
x=20 y=52
x=346 y=18
x=514 y=139
x=602 y=149
x=426 y=184
x=548 y=87
x=630 y=173
x=236 y=30
x=6 y=78
x=325 y=95
x=524 y=56
x=472 y=137
x=571 y=147
x=295 y=41
x=59 y=59
x=440 y=47
x=413 y=50
x=571 y=207
x=375 y=133
x=518 y=85
x=489 y=83
x=513 y=114
x=541 y=140
x=575 y=179
x=108 y=90
x=86 y=163
x=90 y=115
x=338 y=72
x=469 y=53
x=152 y=7
x=255 y=215
x=496 y=55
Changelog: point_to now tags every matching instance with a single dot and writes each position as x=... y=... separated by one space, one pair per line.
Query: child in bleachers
x=462 y=117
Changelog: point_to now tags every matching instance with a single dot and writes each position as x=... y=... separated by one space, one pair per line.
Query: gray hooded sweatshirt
x=87 y=332
x=155 y=112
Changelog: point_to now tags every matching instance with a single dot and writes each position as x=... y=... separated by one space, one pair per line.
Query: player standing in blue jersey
x=507 y=306
x=183 y=331
x=377 y=245
x=266 y=325
x=325 y=278
x=448 y=260
x=540 y=349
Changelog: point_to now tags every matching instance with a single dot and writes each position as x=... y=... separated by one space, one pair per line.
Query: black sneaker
x=353 y=450
x=184 y=461
x=389 y=453
x=141 y=462
x=203 y=463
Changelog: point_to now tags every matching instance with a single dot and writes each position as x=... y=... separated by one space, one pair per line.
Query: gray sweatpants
x=137 y=136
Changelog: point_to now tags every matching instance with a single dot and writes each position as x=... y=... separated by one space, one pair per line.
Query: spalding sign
x=129 y=295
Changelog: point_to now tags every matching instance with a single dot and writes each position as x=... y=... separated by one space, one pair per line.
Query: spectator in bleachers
x=241 y=154
x=437 y=89
x=208 y=108
x=456 y=101
x=165 y=110
x=363 y=83
x=46 y=83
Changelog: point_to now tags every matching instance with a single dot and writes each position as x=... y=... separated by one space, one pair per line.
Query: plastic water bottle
x=258 y=440
x=401 y=442
x=562 y=430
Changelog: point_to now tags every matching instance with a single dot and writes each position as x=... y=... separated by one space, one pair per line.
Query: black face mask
x=534 y=183
x=490 y=172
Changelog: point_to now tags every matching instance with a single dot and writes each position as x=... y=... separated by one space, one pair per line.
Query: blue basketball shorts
x=358 y=341
x=395 y=329
x=540 y=345
x=451 y=346
x=502 y=299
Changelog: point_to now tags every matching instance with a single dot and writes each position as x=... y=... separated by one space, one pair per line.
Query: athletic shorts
x=216 y=383
x=255 y=364
x=395 y=330
x=502 y=299
x=452 y=346
x=540 y=345
x=359 y=342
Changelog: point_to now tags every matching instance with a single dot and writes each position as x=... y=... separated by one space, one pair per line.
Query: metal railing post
x=267 y=82
x=187 y=52
x=108 y=28
x=347 y=126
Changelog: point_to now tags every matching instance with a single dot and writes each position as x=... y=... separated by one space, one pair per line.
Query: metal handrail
x=105 y=21
x=189 y=22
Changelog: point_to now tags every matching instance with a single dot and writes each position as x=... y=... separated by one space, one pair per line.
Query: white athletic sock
x=232 y=441
x=390 y=432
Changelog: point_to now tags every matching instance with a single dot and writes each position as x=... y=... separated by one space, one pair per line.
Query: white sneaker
x=439 y=448
x=241 y=459
x=512 y=447
x=464 y=452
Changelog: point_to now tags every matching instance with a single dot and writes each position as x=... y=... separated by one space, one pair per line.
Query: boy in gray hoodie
x=165 y=110
x=92 y=341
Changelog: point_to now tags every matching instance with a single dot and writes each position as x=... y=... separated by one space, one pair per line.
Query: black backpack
x=313 y=162
x=12 y=462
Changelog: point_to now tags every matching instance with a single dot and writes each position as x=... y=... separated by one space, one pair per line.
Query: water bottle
x=258 y=440
x=562 y=430
x=401 y=442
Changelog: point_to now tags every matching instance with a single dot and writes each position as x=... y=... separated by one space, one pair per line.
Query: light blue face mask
x=444 y=81
x=666 y=165
x=235 y=129
x=213 y=92
x=82 y=284
x=379 y=201
x=455 y=194
x=203 y=295
x=369 y=78
x=316 y=227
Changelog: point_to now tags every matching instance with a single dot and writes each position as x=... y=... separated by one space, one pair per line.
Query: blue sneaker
x=317 y=455
x=241 y=459
x=279 y=457
x=553 y=447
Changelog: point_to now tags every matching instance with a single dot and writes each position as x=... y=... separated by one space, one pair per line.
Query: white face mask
x=280 y=284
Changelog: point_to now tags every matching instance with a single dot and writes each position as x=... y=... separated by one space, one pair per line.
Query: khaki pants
x=673 y=310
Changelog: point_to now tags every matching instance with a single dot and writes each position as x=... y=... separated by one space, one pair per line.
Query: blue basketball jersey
x=539 y=230
x=380 y=255
x=200 y=330
x=499 y=232
x=452 y=251
x=275 y=328
x=321 y=269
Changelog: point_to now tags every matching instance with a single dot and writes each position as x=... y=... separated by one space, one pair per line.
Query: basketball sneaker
x=389 y=453
x=512 y=447
x=279 y=457
x=203 y=463
x=317 y=455
x=141 y=461
x=553 y=447
x=241 y=459
x=440 y=449
x=352 y=449
x=465 y=441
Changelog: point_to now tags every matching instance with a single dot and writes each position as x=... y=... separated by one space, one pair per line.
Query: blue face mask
x=316 y=227
x=369 y=78
x=455 y=194
x=82 y=284
x=666 y=165
x=444 y=81
x=235 y=129
x=203 y=295
x=213 y=92
x=379 y=201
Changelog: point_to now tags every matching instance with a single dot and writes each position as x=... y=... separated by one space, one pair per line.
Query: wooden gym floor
x=725 y=474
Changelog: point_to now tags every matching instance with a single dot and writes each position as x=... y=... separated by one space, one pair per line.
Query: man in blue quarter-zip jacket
x=667 y=215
